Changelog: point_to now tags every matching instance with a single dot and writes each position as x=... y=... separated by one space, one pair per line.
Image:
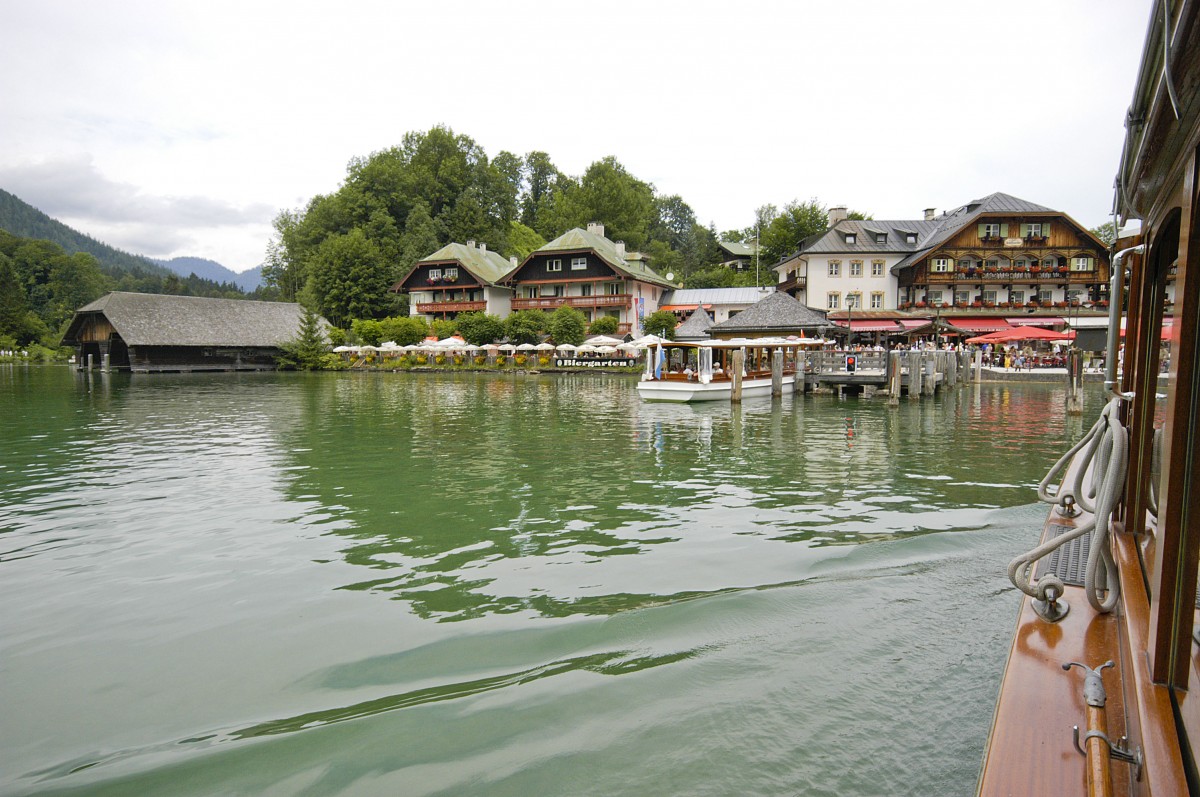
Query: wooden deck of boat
x=1031 y=750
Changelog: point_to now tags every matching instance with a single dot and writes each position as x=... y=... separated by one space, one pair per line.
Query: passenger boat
x=707 y=370
x=1101 y=693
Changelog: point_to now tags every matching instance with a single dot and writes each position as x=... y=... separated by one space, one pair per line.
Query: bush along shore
x=450 y=362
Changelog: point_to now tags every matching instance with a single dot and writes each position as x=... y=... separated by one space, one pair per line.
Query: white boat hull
x=655 y=390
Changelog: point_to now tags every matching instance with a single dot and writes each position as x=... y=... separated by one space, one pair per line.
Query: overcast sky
x=181 y=128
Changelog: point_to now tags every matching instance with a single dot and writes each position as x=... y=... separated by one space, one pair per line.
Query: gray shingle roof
x=695 y=327
x=777 y=311
x=144 y=319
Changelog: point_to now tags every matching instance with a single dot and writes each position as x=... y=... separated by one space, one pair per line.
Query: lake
x=482 y=584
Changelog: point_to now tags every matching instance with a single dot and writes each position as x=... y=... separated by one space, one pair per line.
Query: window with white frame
x=435 y=273
x=1082 y=263
x=855 y=268
x=1033 y=230
x=877 y=300
x=451 y=274
x=991 y=230
x=554 y=265
x=1049 y=263
x=935 y=297
x=531 y=292
x=1021 y=264
x=876 y=268
x=1044 y=295
x=613 y=289
x=966 y=263
x=961 y=297
x=1016 y=297
x=585 y=289
x=992 y=263
x=835 y=268
x=989 y=296
x=941 y=264
x=833 y=301
x=578 y=263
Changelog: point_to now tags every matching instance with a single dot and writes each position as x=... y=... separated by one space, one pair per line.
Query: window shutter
x=1024 y=230
x=982 y=229
x=1003 y=230
x=1046 y=228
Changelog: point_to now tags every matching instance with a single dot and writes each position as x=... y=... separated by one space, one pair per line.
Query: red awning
x=868 y=325
x=990 y=324
x=675 y=308
x=913 y=323
x=1035 y=321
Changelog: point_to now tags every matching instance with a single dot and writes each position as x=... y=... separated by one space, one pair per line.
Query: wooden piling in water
x=737 y=368
x=914 y=374
x=777 y=373
x=929 y=379
x=895 y=377
x=1074 y=382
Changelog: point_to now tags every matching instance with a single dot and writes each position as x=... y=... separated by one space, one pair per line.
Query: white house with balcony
x=585 y=270
x=458 y=278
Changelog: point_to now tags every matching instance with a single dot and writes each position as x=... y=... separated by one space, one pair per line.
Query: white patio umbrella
x=646 y=341
x=507 y=347
x=340 y=349
x=565 y=347
x=587 y=348
x=452 y=342
x=606 y=349
x=368 y=347
x=544 y=347
x=526 y=347
x=629 y=347
x=602 y=340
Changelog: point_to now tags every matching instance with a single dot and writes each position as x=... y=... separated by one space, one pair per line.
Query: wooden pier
x=914 y=373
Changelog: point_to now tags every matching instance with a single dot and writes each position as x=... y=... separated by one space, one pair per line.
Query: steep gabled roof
x=738 y=248
x=483 y=264
x=777 y=311
x=951 y=222
x=695 y=327
x=578 y=240
x=144 y=319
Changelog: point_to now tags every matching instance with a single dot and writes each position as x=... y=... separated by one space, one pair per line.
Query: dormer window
x=910 y=238
x=851 y=237
x=554 y=265
x=881 y=237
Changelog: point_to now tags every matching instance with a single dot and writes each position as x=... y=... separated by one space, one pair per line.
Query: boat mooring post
x=739 y=364
x=1074 y=382
x=929 y=387
x=895 y=377
x=951 y=368
x=777 y=373
x=914 y=374
x=104 y=363
x=89 y=362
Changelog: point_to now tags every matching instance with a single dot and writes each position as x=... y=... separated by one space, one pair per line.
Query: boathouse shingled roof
x=778 y=311
x=144 y=319
x=695 y=327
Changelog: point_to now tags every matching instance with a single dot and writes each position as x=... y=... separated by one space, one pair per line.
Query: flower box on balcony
x=945 y=305
x=1031 y=303
x=1035 y=269
x=977 y=304
x=960 y=304
x=920 y=304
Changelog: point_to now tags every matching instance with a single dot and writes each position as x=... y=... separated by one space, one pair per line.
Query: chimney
x=470 y=243
x=512 y=261
x=836 y=215
x=930 y=213
x=620 y=249
x=596 y=228
x=482 y=246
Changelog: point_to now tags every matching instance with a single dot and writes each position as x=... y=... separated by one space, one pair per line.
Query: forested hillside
x=25 y=221
x=344 y=250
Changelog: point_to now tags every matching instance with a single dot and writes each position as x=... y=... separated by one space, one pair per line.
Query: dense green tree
x=722 y=277
x=307 y=352
x=443 y=327
x=1106 y=232
x=542 y=180
x=479 y=329
x=350 y=278
x=608 y=193
x=782 y=236
x=604 y=325
x=405 y=330
x=422 y=236
x=661 y=323
x=74 y=281
x=523 y=240
x=368 y=331
x=673 y=222
x=13 y=306
x=524 y=326
x=567 y=325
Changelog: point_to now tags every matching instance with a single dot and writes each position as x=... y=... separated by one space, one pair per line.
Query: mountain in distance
x=212 y=270
x=25 y=221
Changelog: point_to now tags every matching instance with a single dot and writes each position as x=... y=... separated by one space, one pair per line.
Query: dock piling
x=738 y=367
x=777 y=373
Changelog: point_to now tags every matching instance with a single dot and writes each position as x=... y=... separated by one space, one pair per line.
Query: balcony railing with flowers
x=451 y=307
x=555 y=302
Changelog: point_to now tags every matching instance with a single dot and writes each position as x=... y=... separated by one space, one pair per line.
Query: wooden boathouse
x=144 y=332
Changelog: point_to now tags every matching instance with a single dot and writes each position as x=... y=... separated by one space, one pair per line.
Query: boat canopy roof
x=749 y=343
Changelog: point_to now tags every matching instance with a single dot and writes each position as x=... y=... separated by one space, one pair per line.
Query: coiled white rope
x=1105 y=457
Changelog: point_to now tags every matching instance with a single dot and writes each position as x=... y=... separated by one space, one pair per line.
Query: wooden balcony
x=983 y=275
x=555 y=302
x=450 y=307
x=792 y=283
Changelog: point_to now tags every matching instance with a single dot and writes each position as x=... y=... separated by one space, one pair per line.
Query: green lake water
x=413 y=584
